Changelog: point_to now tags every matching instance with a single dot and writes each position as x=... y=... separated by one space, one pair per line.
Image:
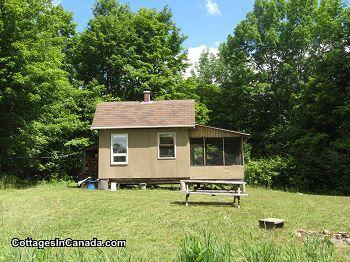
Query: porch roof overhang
x=209 y=131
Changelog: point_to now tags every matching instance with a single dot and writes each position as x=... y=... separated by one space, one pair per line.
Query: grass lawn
x=154 y=222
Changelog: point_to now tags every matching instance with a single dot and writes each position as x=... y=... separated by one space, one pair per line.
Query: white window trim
x=158 y=138
x=120 y=154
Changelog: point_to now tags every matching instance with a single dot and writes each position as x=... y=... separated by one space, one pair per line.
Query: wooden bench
x=237 y=192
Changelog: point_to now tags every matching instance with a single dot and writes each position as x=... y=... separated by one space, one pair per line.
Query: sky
x=206 y=23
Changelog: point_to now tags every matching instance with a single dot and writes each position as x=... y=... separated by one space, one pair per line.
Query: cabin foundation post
x=113 y=186
x=103 y=184
x=187 y=195
x=143 y=186
x=182 y=186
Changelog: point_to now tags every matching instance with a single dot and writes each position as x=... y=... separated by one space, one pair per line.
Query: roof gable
x=133 y=114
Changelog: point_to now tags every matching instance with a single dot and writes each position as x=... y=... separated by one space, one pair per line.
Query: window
x=166 y=145
x=119 y=149
x=197 y=151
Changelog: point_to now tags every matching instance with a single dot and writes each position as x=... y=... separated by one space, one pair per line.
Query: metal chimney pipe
x=146 y=96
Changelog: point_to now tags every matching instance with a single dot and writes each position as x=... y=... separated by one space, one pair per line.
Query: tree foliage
x=322 y=125
x=38 y=104
x=282 y=75
x=285 y=78
x=129 y=52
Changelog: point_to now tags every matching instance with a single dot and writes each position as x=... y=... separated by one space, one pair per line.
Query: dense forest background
x=282 y=76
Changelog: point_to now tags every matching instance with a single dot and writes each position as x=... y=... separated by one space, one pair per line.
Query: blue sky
x=205 y=22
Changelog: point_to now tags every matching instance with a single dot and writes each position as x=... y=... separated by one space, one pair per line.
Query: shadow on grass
x=202 y=203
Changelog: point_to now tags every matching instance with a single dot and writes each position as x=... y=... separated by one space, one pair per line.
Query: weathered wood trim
x=207 y=131
x=204 y=153
x=136 y=181
x=128 y=127
x=223 y=151
x=242 y=152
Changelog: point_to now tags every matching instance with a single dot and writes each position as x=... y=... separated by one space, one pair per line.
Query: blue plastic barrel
x=91 y=185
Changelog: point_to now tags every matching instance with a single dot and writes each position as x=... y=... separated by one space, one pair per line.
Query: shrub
x=269 y=172
x=7 y=182
x=11 y=182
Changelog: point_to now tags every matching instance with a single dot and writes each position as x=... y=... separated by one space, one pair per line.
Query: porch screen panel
x=214 y=151
x=197 y=151
x=233 y=154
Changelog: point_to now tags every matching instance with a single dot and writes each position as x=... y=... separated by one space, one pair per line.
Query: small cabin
x=159 y=142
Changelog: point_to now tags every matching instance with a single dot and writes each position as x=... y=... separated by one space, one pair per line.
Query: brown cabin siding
x=143 y=159
x=217 y=172
x=144 y=165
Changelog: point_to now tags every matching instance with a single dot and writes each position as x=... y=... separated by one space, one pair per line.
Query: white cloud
x=212 y=8
x=193 y=56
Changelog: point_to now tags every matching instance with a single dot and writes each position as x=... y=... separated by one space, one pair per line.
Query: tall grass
x=264 y=252
x=7 y=182
x=203 y=248
x=206 y=248
x=310 y=250
x=314 y=249
x=12 y=182
x=64 y=254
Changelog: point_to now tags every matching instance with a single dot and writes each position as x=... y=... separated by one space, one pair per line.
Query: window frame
x=158 y=145
x=120 y=154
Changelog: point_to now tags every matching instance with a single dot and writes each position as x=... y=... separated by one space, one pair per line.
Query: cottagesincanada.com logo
x=67 y=242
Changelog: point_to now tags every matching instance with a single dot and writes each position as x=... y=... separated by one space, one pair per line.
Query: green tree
x=128 y=52
x=37 y=105
x=207 y=76
x=187 y=88
x=266 y=61
x=284 y=78
x=322 y=128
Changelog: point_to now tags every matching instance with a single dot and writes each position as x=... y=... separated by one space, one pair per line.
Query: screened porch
x=216 y=153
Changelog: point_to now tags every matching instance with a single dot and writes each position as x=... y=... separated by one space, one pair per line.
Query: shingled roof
x=164 y=113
